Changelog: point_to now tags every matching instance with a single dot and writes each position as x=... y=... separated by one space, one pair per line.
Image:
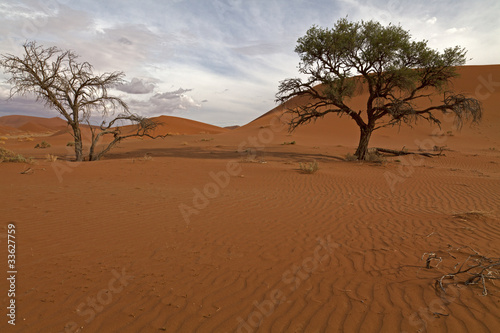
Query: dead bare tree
x=70 y=87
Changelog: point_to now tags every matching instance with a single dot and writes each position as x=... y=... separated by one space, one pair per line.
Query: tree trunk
x=92 y=148
x=77 y=135
x=364 y=139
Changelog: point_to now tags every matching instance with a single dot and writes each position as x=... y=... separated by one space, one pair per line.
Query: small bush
x=350 y=157
x=9 y=156
x=3 y=138
x=51 y=158
x=70 y=144
x=309 y=168
x=288 y=143
x=43 y=144
x=146 y=157
x=374 y=157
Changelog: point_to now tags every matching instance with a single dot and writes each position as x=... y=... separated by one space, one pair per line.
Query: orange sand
x=220 y=232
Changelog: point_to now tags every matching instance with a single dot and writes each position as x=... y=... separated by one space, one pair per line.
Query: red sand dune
x=167 y=125
x=9 y=130
x=223 y=233
x=176 y=125
x=35 y=123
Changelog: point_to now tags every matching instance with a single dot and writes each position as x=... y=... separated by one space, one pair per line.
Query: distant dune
x=176 y=125
x=33 y=124
x=232 y=127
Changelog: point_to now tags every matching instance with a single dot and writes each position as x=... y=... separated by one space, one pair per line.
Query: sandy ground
x=216 y=230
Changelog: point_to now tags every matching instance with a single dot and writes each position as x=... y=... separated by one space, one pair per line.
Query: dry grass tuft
x=146 y=157
x=309 y=168
x=374 y=157
x=9 y=156
x=252 y=159
x=51 y=158
x=351 y=157
x=43 y=144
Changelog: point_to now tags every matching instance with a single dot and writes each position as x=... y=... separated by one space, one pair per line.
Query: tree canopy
x=396 y=71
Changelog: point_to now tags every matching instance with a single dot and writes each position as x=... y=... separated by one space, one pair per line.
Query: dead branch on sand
x=404 y=152
x=475 y=269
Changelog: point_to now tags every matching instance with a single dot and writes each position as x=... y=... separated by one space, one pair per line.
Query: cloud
x=455 y=30
x=164 y=103
x=261 y=49
x=432 y=20
x=138 y=86
x=171 y=94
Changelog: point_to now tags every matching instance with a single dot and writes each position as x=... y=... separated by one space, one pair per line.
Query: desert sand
x=217 y=230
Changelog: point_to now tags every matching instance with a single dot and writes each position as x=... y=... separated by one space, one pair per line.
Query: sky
x=219 y=61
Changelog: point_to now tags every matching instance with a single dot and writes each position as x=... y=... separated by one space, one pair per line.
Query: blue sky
x=219 y=61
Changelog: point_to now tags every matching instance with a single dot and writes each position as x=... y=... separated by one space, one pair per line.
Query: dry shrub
x=374 y=157
x=351 y=158
x=309 y=168
x=9 y=156
x=146 y=157
x=43 y=144
x=252 y=160
x=51 y=158
x=25 y=138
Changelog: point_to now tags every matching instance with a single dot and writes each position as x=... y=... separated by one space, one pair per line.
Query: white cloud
x=164 y=103
x=432 y=20
x=138 y=86
x=455 y=30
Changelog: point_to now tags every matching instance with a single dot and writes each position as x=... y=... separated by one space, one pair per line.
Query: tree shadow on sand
x=225 y=153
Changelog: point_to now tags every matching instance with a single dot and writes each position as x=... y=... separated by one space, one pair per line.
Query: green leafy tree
x=396 y=71
x=57 y=78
